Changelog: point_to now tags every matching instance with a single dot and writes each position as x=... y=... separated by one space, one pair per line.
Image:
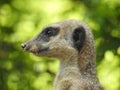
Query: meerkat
x=71 y=41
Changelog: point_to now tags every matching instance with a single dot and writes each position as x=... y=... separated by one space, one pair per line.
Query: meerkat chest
x=68 y=81
x=67 y=76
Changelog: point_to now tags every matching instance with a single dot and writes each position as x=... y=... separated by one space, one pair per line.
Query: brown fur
x=77 y=69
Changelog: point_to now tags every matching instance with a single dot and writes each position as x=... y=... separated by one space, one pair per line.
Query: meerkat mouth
x=41 y=51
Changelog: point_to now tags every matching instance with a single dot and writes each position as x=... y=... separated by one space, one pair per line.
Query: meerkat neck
x=86 y=58
x=68 y=63
x=88 y=69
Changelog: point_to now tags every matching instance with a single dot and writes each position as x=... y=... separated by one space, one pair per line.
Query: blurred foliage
x=20 y=20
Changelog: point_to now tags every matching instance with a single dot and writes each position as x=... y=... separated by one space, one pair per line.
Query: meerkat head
x=58 y=40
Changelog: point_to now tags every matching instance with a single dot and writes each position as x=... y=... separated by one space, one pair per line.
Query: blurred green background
x=20 y=20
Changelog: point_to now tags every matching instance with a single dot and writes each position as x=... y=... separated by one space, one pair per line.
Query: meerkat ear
x=78 y=38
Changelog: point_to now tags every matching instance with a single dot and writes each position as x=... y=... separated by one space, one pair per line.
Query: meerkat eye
x=50 y=31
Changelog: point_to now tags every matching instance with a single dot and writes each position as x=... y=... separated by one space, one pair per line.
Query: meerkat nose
x=23 y=45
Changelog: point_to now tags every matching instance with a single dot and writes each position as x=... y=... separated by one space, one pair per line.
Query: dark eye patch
x=50 y=31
